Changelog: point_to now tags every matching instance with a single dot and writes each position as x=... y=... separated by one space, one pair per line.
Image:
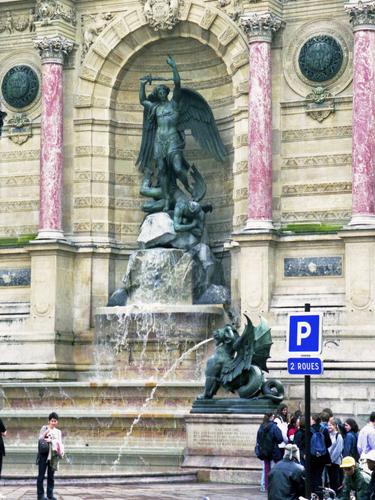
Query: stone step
x=64 y=479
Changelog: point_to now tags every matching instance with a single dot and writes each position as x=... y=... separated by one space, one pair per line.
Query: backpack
x=317 y=444
x=266 y=445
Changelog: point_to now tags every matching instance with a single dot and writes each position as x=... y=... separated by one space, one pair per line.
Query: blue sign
x=305 y=366
x=305 y=334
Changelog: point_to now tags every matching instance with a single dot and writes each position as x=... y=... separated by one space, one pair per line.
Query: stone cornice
x=53 y=49
x=260 y=26
x=362 y=14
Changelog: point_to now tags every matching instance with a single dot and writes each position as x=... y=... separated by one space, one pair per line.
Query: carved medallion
x=162 y=14
x=320 y=58
x=20 y=86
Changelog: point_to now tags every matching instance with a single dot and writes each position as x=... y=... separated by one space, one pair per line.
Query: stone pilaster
x=259 y=29
x=362 y=18
x=52 y=52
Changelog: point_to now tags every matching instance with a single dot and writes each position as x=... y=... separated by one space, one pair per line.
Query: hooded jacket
x=286 y=481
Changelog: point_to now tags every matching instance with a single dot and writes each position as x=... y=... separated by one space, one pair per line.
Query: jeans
x=43 y=465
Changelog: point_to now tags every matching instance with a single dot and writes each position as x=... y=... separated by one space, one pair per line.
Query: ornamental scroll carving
x=260 y=26
x=162 y=15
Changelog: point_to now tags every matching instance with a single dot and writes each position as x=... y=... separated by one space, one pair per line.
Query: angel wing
x=146 y=151
x=196 y=115
x=262 y=345
x=244 y=346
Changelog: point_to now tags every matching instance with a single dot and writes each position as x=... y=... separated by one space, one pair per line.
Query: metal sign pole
x=307 y=427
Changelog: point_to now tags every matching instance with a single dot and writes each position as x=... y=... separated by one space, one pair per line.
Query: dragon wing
x=262 y=345
x=146 y=151
x=196 y=115
x=244 y=347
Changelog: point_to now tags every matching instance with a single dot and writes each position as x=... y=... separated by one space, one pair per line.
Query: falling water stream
x=151 y=397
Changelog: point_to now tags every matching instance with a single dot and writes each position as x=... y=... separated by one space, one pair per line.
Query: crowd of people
x=342 y=457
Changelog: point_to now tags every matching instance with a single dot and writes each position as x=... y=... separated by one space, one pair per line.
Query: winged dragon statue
x=239 y=361
x=161 y=156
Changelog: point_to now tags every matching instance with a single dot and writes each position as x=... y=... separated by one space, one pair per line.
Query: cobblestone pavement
x=191 y=491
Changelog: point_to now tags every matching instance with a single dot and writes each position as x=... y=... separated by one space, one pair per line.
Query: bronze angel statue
x=239 y=361
x=163 y=141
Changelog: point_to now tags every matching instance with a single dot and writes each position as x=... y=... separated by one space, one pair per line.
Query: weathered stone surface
x=156 y=230
x=160 y=276
x=215 y=294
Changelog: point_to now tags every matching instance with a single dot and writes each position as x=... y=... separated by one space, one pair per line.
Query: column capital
x=260 y=26
x=362 y=14
x=53 y=49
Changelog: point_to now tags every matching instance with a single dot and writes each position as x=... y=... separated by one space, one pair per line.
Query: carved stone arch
x=208 y=25
x=106 y=191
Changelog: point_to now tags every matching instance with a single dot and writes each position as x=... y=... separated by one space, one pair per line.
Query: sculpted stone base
x=222 y=442
x=234 y=406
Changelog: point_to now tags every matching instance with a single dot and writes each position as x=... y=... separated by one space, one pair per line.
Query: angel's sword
x=164 y=79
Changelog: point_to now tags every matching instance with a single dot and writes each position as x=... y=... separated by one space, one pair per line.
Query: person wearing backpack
x=267 y=446
x=320 y=441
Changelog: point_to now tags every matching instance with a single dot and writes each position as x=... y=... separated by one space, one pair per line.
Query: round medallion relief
x=320 y=58
x=20 y=86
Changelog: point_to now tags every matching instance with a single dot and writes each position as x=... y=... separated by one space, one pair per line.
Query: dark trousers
x=316 y=478
x=1 y=462
x=334 y=474
x=43 y=465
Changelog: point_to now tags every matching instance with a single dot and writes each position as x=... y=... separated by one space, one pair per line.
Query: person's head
x=325 y=416
x=372 y=417
x=53 y=419
x=333 y=425
x=298 y=414
x=329 y=411
x=350 y=425
x=193 y=206
x=293 y=421
x=268 y=417
x=348 y=466
x=291 y=452
x=162 y=91
x=315 y=419
x=283 y=410
x=370 y=457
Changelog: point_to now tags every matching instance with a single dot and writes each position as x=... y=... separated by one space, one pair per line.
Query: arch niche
x=212 y=58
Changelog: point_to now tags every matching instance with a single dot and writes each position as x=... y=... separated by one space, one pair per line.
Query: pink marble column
x=52 y=51
x=259 y=29
x=362 y=17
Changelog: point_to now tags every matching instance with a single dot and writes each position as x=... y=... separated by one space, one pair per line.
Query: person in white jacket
x=281 y=421
x=50 y=450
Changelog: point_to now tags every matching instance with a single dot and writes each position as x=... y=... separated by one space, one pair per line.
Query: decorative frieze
x=11 y=24
x=260 y=27
x=233 y=8
x=316 y=216
x=361 y=13
x=312 y=266
x=47 y=11
x=15 y=277
x=19 y=206
x=316 y=161
x=19 y=180
x=309 y=134
x=314 y=189
x=20 y=155
x=9 y=231
x=53 y=49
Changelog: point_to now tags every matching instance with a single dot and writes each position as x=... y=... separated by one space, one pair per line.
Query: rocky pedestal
x=223 y=446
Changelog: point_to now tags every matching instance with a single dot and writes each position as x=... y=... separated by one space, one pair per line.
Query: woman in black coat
x=3 y=432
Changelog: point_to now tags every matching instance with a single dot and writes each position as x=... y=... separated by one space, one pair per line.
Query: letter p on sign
x=305 y=333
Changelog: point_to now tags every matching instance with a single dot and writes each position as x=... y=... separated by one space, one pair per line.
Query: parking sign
x=305 y=334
